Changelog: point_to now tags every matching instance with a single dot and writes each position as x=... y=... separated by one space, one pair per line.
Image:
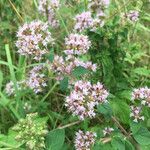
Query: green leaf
x=124 y=94
x=64 y=84
x=106 y=146
x=55 y=139
x=121 y=110
x=1 y=79
x=143 y=147
x=118 y=144
x=9 y=141
x=105 y=109
x=51 y=55
x=3 y=100
x=129 y=146
x=142 y=71
x=78 y=71
x=135 y=127
x=142 y=136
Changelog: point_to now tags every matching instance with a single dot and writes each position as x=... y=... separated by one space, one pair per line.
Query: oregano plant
x=74 y=75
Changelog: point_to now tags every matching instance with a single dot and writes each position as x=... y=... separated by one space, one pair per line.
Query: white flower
x=107 y=131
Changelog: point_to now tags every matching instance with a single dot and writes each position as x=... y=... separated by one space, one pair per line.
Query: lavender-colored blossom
x=48 y=8
x=107 y=131
x=133 y=15
x=77 y=44
x=83 y=21
x=97 y=22
x=99 y=93
x=136 y=113
x=52 y=21
x=83 y=99
x=63 y=66
x=142 y=94
x=33 y=39
x=98 y=5
x=36 y=80
x=87 y=64
x=84 y=140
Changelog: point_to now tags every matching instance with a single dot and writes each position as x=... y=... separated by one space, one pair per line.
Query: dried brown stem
x=69 y=125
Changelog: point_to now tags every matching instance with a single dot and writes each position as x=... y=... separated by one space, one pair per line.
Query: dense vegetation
x=74 y=74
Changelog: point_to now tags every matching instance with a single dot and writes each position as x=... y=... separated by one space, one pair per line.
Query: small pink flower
x=77 y=44
x=136 y=113
x=142 y=94
x=48 y=8
x=33 y=39
x=107 y=131
x=83 y=21
x=83 y=99
x=84 y=140
x=36 y=79
x=133 y=15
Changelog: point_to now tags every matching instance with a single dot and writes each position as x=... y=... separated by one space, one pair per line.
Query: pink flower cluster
x=84 y=140
x=77 y=44
x=65 y=67
x=83 y=99
x=142 y=94
x=107 y=131
x=98 y=5
x=83 y=21
x=133 y=15
x=36 y=80
x=33 y=39
x=136 y=113
x=48 y=8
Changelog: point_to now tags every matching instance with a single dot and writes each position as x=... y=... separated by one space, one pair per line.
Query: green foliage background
x=122 y=53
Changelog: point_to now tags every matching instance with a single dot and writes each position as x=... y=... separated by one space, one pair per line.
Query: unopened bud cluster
x=84 y=98
x=84 y=140
x=31 y=132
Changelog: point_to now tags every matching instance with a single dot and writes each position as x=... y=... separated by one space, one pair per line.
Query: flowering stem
x=132 y=35
x=5 y=101
x=50 y=91
x=35 y=3
x=62 y=22
x=120 y=126
x=69 y=125
x=12 y=74
x=85 y=4
x=126 y=133
x=13 y=6
x=122 y=7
